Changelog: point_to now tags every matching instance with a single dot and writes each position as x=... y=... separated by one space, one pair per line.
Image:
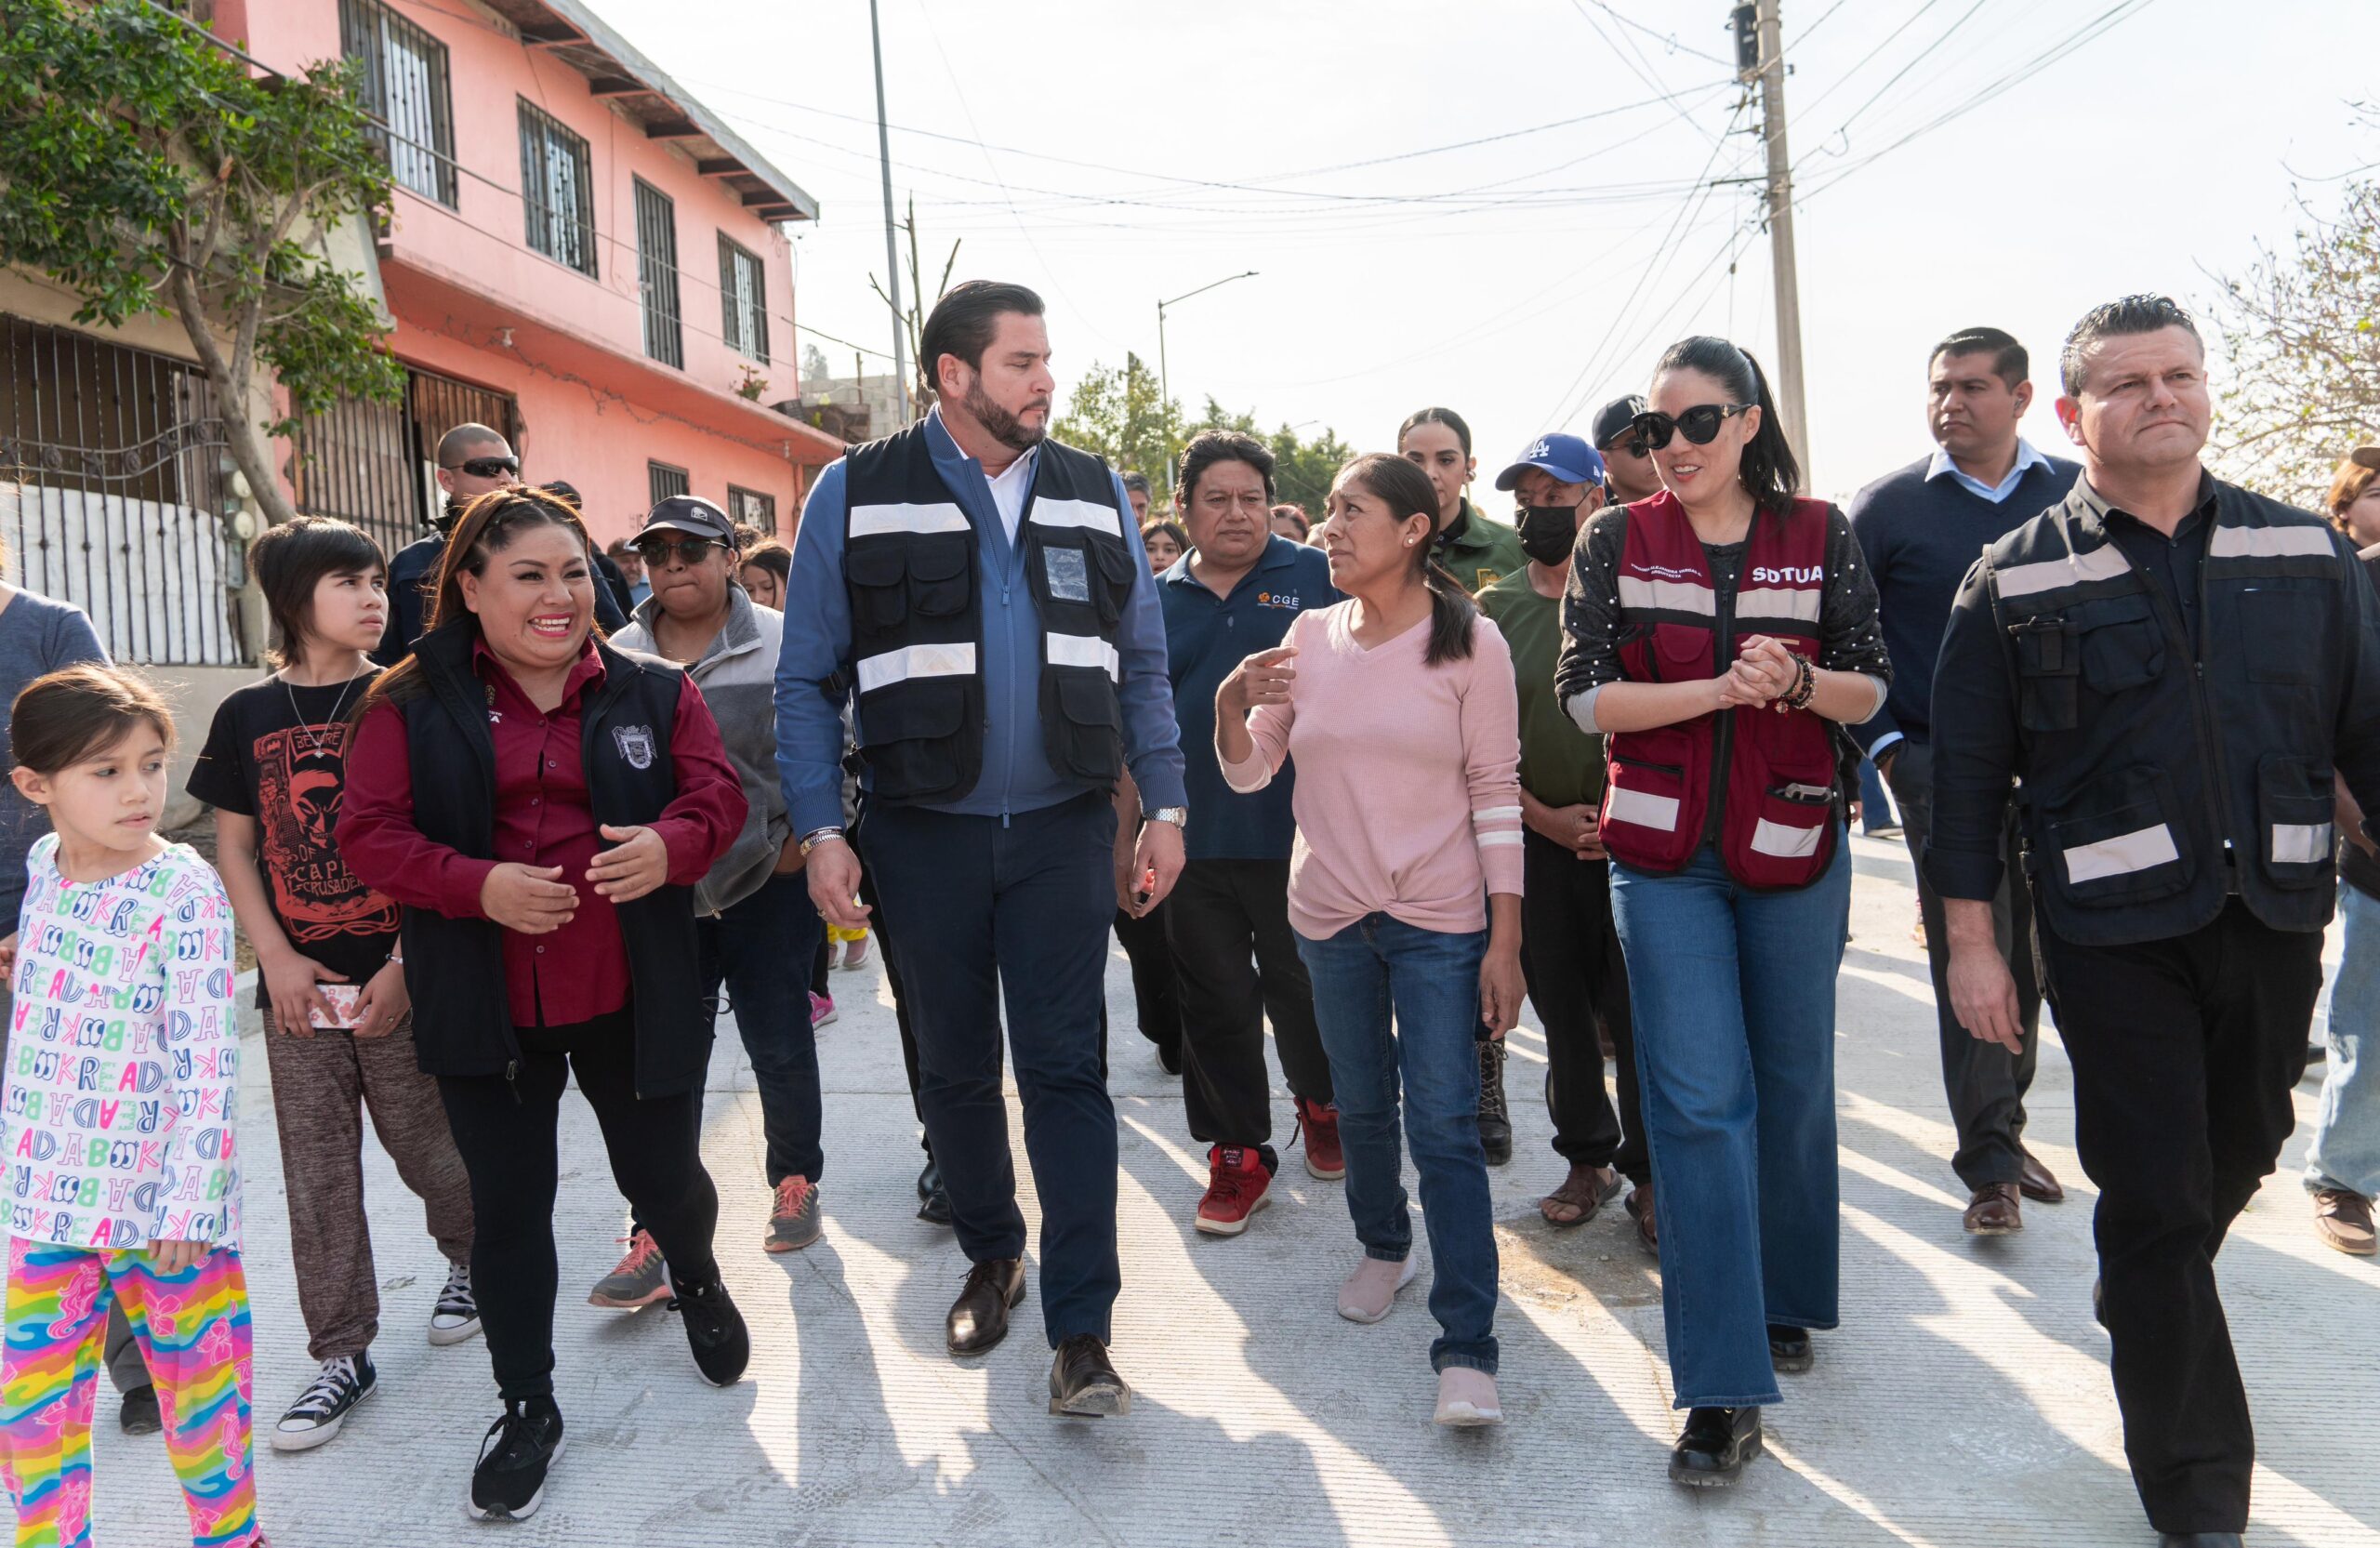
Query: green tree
x=2302 y=334
x=149 y=172
x=1119 y=414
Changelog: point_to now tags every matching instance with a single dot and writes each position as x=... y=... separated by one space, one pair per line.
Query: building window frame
x=752 y=508
x=407 y=84
x=657 y=268
x=665 y=480
x=557 y=190
x=743 y=299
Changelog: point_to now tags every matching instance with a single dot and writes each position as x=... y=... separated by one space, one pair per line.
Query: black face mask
x=1548 y=532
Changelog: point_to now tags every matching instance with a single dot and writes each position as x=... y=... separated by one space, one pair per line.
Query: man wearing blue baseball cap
x=1574 y=971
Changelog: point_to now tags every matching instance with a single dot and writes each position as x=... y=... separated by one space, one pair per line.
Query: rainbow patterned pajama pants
x=192 y=1329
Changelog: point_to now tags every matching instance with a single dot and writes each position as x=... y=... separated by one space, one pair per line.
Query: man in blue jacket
x=978 y=591
x=1921 y=528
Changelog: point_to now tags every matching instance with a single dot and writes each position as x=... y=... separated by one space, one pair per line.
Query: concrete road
x=1964 y=1400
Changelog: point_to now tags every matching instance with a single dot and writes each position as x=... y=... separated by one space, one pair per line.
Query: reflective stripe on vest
x=1642 y=808
x=1774 y=601
x=1082 y=650
x=2102 y=564
x=1079 y=514
x=882 y=671
x=2122 y=856
x=1790 y=843
x=2301 y=843
x=2269 y=543
x=1667 y=596
x=875 y=520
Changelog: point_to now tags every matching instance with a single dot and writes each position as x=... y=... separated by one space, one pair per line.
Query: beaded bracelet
x=1805 y=685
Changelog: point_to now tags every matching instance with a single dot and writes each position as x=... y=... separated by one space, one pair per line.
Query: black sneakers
x=343 y=1382
x=715 y=1331
x=508 y=1484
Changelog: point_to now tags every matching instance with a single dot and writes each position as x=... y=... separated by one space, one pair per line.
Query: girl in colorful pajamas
x=122 y=1165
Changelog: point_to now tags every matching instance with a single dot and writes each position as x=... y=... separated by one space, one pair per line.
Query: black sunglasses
x=1634 y=445
x=655 y=552
x=487 y=467
x=1700 y=424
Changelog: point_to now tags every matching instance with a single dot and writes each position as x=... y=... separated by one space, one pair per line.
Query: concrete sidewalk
x=1964 y=1400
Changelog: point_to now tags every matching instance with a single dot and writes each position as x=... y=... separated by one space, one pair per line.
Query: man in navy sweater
x=1921 y=528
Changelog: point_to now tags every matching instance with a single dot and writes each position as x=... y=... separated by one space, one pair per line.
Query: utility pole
x=1760 y=51
x=892 y=253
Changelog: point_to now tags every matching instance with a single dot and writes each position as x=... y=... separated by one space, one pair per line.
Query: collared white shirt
x=2026 y=457
x=1009 y=489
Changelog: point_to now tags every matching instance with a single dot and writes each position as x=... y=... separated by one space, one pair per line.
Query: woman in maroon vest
x=1716 y=633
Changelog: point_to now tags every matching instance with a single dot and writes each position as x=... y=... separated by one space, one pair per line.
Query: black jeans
x=2186 y=1053
x=1571 y=960
x=982 y=912
x=1236 y=960
x=507 y=1133
x=1985 y=1083
x=761 y=949
x=1157 y=991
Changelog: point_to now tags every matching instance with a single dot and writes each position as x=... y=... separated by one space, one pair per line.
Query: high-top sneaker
x=342 y=1383
x=1238 y=1185
x=1495 y=1119
x=1318 y=1122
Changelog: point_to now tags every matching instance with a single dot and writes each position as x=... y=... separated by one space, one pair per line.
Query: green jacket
x=1485 y=552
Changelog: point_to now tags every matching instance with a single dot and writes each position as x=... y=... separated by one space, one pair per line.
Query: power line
x=1667 y=40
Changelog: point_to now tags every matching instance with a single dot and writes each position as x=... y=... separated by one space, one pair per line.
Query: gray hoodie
x=737 y=675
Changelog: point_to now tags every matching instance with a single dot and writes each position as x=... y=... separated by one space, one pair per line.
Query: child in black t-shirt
x=339 y=1029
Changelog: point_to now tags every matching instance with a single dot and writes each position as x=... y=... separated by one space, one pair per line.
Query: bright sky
x=1110 y=154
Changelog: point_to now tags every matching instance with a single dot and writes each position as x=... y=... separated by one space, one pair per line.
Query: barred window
x=744 y=300
x=407 y=87
x=752 y=509
x=557 y=190
x=657 y=270
x=663 y=481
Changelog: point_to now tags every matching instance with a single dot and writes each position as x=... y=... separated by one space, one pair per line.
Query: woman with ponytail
x=1404 y=887
x=1717 y=633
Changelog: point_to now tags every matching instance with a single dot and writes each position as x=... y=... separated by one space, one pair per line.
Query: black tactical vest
x=2155 y=786
x=911 y=568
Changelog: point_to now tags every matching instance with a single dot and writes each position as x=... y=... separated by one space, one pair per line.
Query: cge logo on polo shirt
x=1276 y=599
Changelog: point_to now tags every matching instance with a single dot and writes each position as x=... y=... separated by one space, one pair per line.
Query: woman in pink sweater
x=1405 y=889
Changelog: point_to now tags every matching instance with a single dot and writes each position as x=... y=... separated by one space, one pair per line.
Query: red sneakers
x=1320 y=1125
x=1237 y=1186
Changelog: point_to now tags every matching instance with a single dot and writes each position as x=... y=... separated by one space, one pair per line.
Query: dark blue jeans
x=1428 y=979
x=982 y=910
x=761 y=949
x=1734 y=998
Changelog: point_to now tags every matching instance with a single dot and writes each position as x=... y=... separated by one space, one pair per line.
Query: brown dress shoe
x=1639 y=1204
x=979 y=1318
x=1992 y=1210
x=2037 y=1185
x=2344 y=1221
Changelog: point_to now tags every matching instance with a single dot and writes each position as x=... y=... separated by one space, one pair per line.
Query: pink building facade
x=579 y=253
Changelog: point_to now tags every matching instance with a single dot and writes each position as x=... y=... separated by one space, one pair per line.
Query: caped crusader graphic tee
x=124 y=1057
x=278 y=753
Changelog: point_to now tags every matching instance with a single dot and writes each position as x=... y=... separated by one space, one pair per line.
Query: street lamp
x=1164 y=384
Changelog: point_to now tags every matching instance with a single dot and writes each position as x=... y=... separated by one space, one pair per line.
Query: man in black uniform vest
x=2174 y=669
x=980 y=593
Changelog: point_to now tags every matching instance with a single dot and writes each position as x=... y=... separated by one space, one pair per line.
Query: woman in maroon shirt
x=542 y=805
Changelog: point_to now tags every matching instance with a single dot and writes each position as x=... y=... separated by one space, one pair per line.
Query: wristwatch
x=1178 y=815
x=817 y=835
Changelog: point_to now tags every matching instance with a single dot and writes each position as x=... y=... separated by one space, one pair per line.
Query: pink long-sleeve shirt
x=1408 y=795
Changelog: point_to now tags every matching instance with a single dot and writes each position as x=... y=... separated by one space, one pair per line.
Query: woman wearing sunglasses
x=1717 y=633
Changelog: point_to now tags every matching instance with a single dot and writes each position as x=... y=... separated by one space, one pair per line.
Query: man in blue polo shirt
x=1228 y=920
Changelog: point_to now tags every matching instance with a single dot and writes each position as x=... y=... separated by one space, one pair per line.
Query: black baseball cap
x=1613 y=419
x=692 y=515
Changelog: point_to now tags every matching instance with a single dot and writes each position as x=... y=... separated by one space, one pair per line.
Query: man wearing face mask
x=1576 y=974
